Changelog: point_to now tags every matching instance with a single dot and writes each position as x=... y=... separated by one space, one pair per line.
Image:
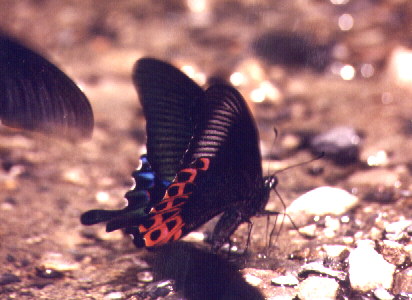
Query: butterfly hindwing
x=36 y=95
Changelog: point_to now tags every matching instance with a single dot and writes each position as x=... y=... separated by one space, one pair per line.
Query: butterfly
x=202 y=156
x=203 y=159
x=36 y=95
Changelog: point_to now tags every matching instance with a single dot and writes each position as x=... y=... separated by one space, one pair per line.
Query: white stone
x=334 y=250
x=383 y=294
x=318 y=288
x=321 y=201
x=368 y=270
x=286 y=280
x=253 y=280
x=114 y=296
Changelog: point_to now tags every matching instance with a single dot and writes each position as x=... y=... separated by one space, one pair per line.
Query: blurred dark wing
x=169 y=99
x=36 y=95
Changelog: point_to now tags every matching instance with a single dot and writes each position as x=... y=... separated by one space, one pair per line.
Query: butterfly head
x=270 y=182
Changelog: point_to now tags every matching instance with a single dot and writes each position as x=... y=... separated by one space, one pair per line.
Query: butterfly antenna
x=273 y=145
x=321 y=155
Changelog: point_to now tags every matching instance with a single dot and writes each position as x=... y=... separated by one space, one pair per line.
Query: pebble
x=253 y=280
x=403 y=281
x=321 y=201
x=382 y=294
x=58 y=262
x=309 y=230
x=114 y=296
x=334 y=250
x=160 y=288
x=7 y=278
x=286 y=280
x=318 y=288
x=48 y=273
x=318 y=268
x=398 y=230
x=76 y=176
x=145 y=276
x=341 y=144
x=368 y=270
x=393 y=252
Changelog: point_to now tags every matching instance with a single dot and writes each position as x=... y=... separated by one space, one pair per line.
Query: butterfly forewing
x=36 y=95
x=170 y=100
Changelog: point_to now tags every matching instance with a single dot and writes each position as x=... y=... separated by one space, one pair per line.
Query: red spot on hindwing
x=160 y=233
x=164 y=218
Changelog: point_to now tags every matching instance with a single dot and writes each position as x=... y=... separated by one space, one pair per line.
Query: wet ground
x=355 y=72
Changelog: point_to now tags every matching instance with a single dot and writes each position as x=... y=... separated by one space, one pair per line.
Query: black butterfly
x=203 y=159
x=36 y=95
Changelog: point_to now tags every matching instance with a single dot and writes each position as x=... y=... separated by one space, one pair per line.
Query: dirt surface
x=47 y=182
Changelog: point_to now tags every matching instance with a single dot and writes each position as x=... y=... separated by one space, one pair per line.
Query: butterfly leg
x=250 y=227
x=227 y=224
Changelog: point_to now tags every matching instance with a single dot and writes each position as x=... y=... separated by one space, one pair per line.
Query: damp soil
x=47 y=182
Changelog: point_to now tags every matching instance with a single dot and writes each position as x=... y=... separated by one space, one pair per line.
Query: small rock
x=102 y=197
x=160 y=288
x=76 y=176
x=308 y=231
x=321 y=201
x=403 y=282
x=398 y=230
x=8 y=278
x=393 y=252
x=114 y=296
x=318 y=268
x=334 y=250
x=368 y=270
x=287 y=280
x=48 y=273
x=318 y=288
x=58 y=262
x=382 y=294
x=374 y=157
x=300 y=254
x=145 y=276
x=332 y=225
x=253 y=280
x=341 y=144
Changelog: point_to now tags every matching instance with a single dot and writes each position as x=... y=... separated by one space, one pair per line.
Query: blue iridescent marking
x=147 y=175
